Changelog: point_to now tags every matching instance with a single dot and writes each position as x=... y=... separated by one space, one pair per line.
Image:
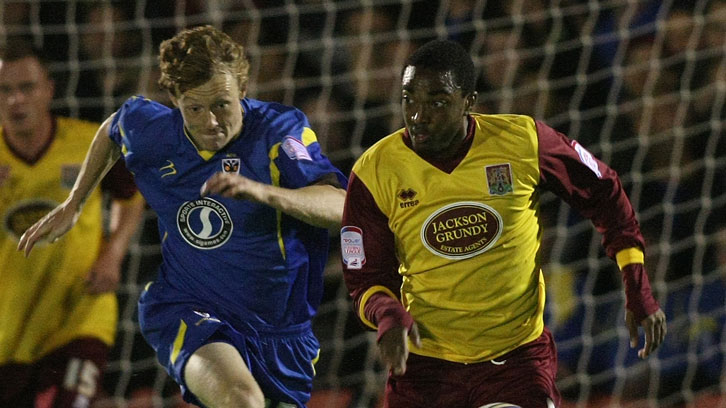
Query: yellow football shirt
x=467 y=241
x=43 y=301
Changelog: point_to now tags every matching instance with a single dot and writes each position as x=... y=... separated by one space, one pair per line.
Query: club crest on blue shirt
x=230 y=165
x=499 y=179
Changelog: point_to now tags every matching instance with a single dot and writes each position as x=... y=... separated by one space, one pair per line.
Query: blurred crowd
x=641 y=83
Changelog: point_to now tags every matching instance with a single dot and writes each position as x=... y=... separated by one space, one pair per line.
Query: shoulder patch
x=294 y=149
x=587 y=158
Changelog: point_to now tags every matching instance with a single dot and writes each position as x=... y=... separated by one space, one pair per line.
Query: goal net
x=640 y=83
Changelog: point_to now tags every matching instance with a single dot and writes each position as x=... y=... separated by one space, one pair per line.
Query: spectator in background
x=678 y=29
x=373 y=50
x=58 y=311
x=15 y=15
x=327 y=115
x=500 y=63
x=109 y=47
x=714 y=29
x=711 y=74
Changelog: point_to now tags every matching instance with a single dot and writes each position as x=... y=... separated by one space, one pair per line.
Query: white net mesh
x=641 y=83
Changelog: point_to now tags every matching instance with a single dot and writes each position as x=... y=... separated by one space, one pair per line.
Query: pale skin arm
x=101 y=156
x=105 y=274
x=320 y=204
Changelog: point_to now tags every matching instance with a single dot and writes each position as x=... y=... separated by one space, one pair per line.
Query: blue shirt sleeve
x=300 y=159
x=133 y=117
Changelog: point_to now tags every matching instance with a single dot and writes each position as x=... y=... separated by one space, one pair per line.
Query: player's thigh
x=524 y=377
x=71 y=375
x=218 y=376
x=428 y=383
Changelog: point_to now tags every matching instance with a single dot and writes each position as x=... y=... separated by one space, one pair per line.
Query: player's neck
x=456 y=146
x=30 y=142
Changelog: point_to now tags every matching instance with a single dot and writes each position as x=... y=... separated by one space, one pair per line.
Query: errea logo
x=407 y=197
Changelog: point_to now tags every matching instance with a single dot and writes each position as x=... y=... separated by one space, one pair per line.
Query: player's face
x=434 y=110
x=212 y=112
x=25 y=94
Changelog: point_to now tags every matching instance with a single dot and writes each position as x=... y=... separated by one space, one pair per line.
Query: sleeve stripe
x=367 y=295
x=629 y=256
x=275 y=181
x=308 y=136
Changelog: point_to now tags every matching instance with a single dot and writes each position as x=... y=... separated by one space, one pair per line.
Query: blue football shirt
x=247 y=262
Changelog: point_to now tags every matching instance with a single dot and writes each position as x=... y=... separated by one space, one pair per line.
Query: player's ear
x=173 y=99
x=470 y=101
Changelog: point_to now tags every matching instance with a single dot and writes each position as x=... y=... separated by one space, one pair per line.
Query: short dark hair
x=17 y=48
x=446 y=55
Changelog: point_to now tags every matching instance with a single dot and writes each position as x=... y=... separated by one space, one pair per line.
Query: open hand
x=394 y=347
x=655 y=330
x=49 y=228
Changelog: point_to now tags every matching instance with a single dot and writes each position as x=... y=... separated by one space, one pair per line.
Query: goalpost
x=640 y=83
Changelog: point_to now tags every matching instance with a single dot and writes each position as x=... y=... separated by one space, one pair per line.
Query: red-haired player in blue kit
x=245 y=199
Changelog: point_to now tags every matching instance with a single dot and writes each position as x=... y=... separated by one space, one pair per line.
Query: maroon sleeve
x=381 y=265
x=119 y=182
x=590 y=187
x=638 y=296
x=595 y=191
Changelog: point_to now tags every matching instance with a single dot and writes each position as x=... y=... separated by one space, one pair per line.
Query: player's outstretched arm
x=320 y=205
x=101 y=156
x=105 y=273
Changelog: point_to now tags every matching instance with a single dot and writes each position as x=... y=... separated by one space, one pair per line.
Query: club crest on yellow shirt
x=499 y=179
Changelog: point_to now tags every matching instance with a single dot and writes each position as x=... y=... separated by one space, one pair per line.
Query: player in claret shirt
x=245 y=199
x=440 y=241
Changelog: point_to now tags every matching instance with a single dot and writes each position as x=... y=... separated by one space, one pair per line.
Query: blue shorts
x=281 y=362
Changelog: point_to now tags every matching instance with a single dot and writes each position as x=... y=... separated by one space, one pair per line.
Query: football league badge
x=230 y=165
x=499 y=179
x=295 y=149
